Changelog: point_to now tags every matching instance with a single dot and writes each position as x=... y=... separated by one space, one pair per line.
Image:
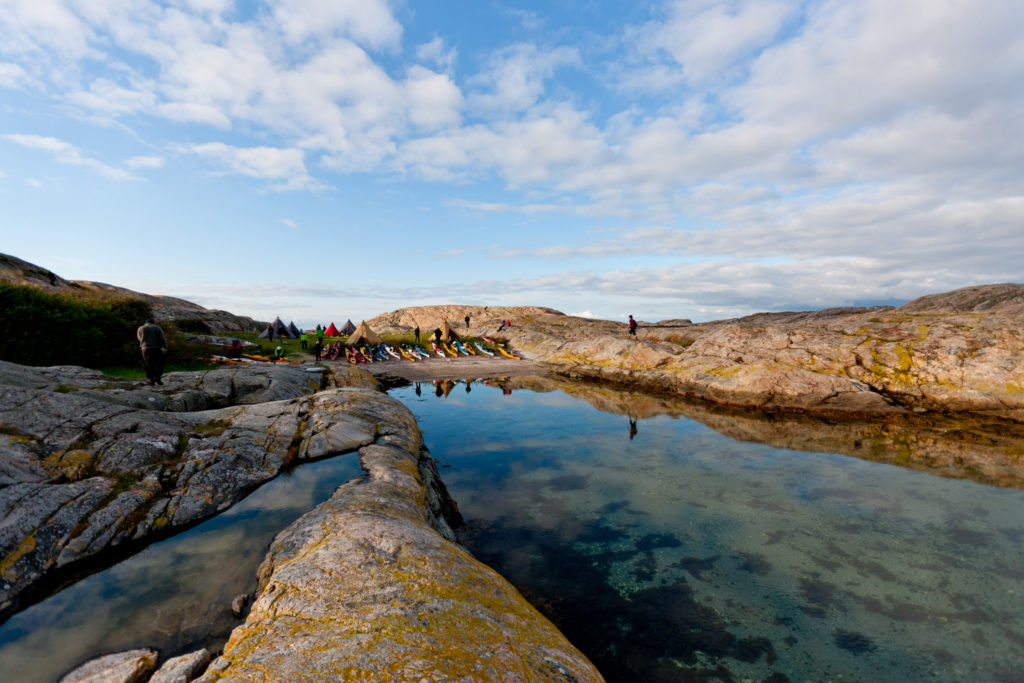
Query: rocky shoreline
x=369 y=585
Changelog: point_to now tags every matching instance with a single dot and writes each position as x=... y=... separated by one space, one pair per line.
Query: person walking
x=153 y=344
x=632 y=326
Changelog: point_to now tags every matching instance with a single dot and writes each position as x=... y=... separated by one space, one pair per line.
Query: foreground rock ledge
x=366 y=587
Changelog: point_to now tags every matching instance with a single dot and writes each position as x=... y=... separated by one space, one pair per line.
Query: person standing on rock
x=154 y=345
x=632 y=326
x=467 y=322
x=417 y=333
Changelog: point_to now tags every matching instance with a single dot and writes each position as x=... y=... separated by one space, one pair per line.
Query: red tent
x=332 y=331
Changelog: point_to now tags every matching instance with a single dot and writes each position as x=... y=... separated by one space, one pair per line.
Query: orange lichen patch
x=27 y=545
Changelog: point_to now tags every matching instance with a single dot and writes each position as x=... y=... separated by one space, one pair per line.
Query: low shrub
x=43 y=328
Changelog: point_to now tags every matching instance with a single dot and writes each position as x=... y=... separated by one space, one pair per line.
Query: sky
x=330 y=159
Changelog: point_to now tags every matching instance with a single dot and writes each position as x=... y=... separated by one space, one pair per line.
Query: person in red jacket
x=632 y=326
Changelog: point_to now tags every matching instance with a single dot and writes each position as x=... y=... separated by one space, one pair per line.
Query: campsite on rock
x=785 y=496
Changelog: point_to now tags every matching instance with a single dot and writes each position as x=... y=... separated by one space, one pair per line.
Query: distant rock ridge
x=430 y=317
x=849 y=362
x=1002 y=299
x=165 y=308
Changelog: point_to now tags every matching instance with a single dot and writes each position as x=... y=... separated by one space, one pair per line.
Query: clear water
x=667 y=551
x=174 y=595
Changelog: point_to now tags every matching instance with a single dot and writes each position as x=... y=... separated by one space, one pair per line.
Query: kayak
x=438 y=351
x=509 y=355
x=489 y=353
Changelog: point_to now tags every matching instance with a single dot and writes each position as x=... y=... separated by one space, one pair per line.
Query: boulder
x=182 y=669
x=133 y=666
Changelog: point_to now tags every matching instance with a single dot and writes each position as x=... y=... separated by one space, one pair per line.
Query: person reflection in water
x=418 y=392
x=632 y=428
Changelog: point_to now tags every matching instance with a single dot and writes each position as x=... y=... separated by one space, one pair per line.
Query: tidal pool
x=175 y=595
x=665 y=550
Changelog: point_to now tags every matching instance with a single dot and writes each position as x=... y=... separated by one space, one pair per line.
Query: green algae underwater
x=666 y=551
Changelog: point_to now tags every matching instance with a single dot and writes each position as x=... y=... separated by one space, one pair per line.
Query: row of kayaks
x=247 y=359
x=384 y=352
x=410 y=352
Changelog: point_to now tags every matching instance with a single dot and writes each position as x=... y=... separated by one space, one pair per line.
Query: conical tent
x=447 y=333
x=267 y=333
x=296 y=332
x=332 y=331
x=348 y=327
x=364 y=335
x=280 y=329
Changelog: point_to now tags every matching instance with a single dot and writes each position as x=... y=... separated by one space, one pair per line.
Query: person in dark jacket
x=154 y=345
x=632 y=326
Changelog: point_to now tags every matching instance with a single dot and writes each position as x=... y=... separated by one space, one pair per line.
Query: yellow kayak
x=509 y=355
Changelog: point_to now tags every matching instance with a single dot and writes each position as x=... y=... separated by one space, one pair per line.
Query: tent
x=447 y=333
x=296 y=332
x=364 y=335
x=267 y=333
x=348 y=327
x=280 y=329
x=332 y=331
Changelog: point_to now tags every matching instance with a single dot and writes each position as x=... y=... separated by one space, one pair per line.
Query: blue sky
x=702 y=159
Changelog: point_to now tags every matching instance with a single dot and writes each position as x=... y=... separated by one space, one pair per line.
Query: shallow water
x=174 y=595
x=667 y=551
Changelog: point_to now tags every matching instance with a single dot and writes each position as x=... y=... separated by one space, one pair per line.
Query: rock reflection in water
x=681 y=554
x=175 y=595
x=988 y=451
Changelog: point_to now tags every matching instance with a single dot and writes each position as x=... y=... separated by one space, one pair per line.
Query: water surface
x=176 y=594
x=667 y=551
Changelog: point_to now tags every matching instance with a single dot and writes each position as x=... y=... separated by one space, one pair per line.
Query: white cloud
x=290 y=223
x=13 y=76
x=369 y=22
x=701 y=40
x=264 y=163
x=66 y=153
x=438 y=53
x=516 y=74
x=146 y=162
x=433 y=99
x=33 y=182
